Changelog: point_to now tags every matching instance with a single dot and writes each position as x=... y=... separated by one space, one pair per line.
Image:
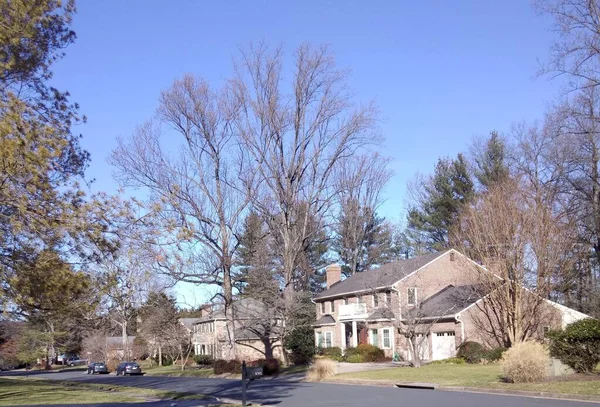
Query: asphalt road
x=290 y=392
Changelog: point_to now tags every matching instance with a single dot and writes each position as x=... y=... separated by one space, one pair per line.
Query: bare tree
x=297 y=141
x=94 y=345
x=362 y=238
x=517 y=241
x=576 y=52
x=197 y=194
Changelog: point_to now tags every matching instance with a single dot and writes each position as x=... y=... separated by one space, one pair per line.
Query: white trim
x=330 y=339
x=383 y=337
x=416 y=301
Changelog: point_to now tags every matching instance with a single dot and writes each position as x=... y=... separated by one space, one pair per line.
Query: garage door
x=443 y=345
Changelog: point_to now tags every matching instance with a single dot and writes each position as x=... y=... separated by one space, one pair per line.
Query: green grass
x=480 y=376
x=176 y=371
x=18 y=392
x=294 y=369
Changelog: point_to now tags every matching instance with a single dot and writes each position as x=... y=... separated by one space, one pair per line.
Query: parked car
x=128 y=368
x=75 y=361
x=97 y=367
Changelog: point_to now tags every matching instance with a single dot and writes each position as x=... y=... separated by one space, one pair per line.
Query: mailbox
x=255 y=373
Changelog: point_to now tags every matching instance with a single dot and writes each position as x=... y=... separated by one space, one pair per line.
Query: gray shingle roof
x=381 y=313
x=189 y=322
x=325 y=319
x=381 y=277
x=448 y=301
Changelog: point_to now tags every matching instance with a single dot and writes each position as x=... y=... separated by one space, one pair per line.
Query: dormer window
x=412 y=296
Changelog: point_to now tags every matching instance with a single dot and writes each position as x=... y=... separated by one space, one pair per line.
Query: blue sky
x=441 y=72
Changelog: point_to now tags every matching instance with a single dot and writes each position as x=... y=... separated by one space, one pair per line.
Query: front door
x=363 y=334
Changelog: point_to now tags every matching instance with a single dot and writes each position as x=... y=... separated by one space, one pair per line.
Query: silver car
x=128 y=368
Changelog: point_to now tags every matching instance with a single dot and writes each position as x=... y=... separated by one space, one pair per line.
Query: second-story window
x=332 y=306
x=411 y=296
x=345 y=301
x=388 y=299
x=322 y=307
x=375 y=300
x=361 y=299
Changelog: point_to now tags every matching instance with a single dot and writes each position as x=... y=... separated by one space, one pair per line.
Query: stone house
x=256 y=332
x=438 y=293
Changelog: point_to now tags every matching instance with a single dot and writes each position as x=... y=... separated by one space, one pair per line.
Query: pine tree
x=491 y=166
x=432 y=217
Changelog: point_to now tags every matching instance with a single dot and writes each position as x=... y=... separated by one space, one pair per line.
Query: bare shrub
x=525 y=362
x=321 y=369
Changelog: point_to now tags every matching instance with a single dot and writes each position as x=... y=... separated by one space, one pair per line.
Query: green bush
x=449 y=361
x=471 y=352
x=333 y=353
x=355 y=358
x=301 y=344
x=271 y=367
x=578 y=345
x=367 y=353
x=495 y=354
x=221 y=366
x=204 y=360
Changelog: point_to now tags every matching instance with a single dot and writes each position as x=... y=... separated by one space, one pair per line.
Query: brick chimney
x=334 y=274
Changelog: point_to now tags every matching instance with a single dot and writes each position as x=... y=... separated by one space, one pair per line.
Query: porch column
x=354 y=335
x=343 y=341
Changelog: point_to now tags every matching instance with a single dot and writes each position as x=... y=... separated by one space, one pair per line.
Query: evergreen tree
x=362 y=239
x=441 y=198
x=491 y=166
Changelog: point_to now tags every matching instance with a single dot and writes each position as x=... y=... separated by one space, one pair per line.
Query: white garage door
x=443 y=345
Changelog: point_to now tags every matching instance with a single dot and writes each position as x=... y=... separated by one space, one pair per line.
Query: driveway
x=291 y=392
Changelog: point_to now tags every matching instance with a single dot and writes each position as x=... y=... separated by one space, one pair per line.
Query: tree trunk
x=160 y=355
x=125 y=341
x=228 y=352
x=416 y=356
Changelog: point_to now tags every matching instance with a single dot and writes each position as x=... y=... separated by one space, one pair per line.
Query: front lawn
x=176 y=371
x=18 y=392
x=480 y=376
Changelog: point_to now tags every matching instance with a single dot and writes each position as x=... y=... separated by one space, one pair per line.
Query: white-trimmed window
x=374 y=337
x=345 y=301
x=320 y=339
x=387 y=338
x=332 y=306
x=388 y=299
x=376 y=300
x=323 y=308
x=328 y=340
x=411 y=296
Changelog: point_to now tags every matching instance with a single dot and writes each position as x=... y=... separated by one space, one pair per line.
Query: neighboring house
x=115 y=350
x=439 y=293
x=188 y=324
x=256 y=332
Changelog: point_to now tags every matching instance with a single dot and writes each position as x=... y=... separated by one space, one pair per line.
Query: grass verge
x=177 y=372
x=477 y=376
x=19 y=391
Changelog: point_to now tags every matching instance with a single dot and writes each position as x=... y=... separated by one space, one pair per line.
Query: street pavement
x=291 y=392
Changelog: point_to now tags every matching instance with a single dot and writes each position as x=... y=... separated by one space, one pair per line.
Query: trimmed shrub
x=525 y=362
x=333 y=353
x=355 y=358
x=495 y=354
x=449 y=361
x=578 y=345
x=321 y=369
x=371 y=353
x=271 y=367
x=471 y=352
x=301 y=344
x=204 y=360
x=221 y=366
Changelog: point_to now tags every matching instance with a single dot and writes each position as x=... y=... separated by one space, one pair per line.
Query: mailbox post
x=248 y=375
